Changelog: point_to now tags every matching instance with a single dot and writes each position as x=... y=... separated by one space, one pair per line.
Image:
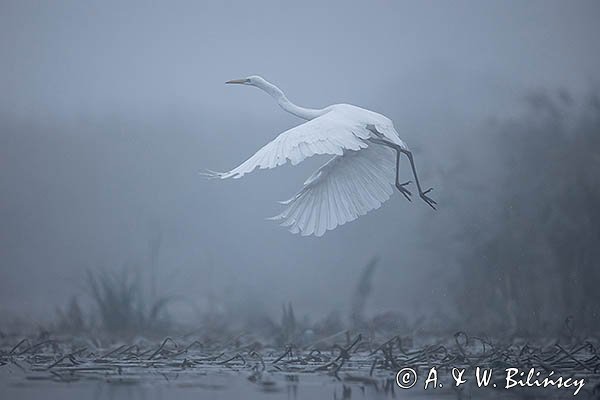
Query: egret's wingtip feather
x=210 y=174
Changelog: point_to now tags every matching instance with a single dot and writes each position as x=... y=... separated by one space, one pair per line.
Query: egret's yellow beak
x=239 y=81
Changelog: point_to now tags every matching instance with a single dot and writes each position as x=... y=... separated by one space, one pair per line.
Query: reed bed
x=350 y=359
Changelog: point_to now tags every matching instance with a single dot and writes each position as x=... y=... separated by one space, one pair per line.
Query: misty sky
x=109 y=109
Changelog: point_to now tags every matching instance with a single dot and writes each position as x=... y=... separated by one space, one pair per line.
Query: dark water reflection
x=16 y=384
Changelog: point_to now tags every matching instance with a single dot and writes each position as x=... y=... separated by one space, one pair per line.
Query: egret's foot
x=430 y=202
x=405 y=192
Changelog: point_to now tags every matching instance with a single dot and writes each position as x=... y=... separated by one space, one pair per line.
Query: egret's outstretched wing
x=343 y=189
x=331 y=133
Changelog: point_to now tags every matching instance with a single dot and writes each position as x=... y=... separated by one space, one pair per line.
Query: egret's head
x=253 y=80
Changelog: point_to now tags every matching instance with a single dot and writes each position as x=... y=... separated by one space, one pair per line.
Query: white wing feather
x=343 y=189
x=331 y=133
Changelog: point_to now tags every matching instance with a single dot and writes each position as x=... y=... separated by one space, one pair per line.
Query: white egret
x=365 y=166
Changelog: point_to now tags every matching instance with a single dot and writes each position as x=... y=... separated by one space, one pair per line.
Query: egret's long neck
x=282 y=100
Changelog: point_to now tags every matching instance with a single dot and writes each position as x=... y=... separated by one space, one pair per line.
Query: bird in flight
x=360 y=176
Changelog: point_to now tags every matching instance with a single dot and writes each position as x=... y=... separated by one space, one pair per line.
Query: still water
x=22 y=384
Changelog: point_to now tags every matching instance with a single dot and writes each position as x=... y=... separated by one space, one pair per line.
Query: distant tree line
x=530 y=239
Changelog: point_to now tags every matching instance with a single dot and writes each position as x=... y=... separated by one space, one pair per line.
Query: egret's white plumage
x=359 y=178
x=343 y=189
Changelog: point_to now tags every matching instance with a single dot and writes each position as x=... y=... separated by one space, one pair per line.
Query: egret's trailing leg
x=423 y=194
x=400 y=186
